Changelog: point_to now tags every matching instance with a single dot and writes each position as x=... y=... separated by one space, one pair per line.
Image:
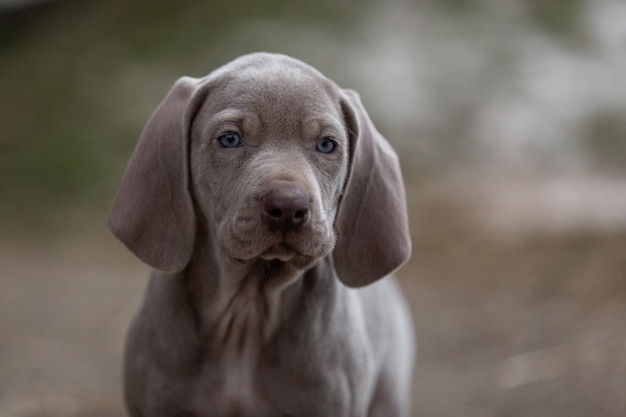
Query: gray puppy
x=269 y=207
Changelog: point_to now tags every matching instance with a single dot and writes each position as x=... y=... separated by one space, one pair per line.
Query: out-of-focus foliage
x=606 y=139
x=78 y=80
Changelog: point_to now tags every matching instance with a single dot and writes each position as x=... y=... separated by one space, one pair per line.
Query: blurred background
x=510 y=119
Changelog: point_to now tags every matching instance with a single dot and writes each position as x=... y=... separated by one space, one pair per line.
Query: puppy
x=270 y=209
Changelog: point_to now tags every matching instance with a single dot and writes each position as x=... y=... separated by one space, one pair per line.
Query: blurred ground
x=523 y=323
x=509 y=117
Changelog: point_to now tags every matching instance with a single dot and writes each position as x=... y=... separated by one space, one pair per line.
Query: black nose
x=286 y=208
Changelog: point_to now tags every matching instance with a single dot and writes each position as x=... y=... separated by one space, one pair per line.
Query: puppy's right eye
x=230 y=140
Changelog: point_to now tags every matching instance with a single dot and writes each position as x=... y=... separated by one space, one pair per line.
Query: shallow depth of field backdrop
x=510 y=119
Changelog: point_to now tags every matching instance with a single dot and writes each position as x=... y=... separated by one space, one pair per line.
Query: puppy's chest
x=262 y=360
x=238 y=389
x=249 y=374
x=228 y=389
x=228 y=384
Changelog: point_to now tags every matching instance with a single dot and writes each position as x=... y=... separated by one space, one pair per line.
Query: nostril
x=275 y=213
x=300 y=214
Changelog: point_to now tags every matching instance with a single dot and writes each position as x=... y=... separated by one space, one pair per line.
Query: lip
x=282 y=251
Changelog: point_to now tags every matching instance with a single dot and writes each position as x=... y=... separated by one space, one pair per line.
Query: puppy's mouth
x=298 y=248
x=282 y=252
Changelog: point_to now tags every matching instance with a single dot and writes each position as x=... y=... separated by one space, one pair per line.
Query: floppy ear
x=153 y=211
x=373 y=231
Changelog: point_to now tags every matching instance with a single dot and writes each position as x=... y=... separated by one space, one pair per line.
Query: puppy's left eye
x=326 y=145
x=230 y=140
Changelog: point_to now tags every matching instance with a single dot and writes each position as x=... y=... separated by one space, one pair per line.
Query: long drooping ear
x=373 y=231
x=153 y=212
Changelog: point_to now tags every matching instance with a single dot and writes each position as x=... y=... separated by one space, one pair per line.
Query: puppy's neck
x=239 y=307
x=241 y=304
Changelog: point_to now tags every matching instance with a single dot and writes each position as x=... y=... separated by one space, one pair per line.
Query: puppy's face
x=268 y=161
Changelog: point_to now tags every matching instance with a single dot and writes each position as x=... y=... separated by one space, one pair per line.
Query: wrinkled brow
x=324 y=126
x=234 y=119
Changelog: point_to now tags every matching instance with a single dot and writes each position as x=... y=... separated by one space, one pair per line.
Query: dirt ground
x=515 y=324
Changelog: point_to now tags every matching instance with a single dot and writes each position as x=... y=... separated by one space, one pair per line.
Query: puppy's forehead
x=267 y=82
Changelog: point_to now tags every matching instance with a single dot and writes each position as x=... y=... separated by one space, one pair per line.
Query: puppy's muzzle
x=286 y=207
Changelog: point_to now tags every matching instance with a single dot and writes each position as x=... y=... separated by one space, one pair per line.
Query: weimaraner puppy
x=270 y=208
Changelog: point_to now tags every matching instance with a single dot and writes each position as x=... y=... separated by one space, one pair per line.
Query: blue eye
x=230 y=140
x=326 y=145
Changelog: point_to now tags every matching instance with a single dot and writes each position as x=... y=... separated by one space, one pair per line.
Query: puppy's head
x=274 y=162
x=268 y=160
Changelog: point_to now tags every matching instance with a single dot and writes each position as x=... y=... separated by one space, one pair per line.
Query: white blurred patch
x=531 y=367
x=552 y=206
